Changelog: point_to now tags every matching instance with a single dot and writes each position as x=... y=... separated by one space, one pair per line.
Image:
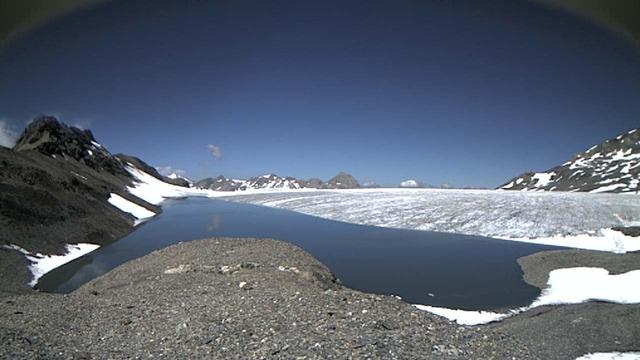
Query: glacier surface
x=580 y=220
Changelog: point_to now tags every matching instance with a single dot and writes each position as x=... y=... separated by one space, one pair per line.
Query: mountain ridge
x=272 y=181
x=611 y=166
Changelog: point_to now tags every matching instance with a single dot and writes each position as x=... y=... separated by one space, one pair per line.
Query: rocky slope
x=54 y=190
x=272 y=181
x=612 y=166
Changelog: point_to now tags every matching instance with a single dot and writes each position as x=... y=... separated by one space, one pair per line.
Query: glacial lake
x=431 y=268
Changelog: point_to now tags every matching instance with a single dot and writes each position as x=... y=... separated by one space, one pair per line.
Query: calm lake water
x=449 y=270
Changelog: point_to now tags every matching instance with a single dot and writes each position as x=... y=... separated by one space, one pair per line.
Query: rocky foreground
x=566 y=331
x=267 y=299
x=234 y=298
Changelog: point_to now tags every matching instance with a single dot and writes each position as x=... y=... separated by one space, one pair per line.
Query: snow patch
x=464 y=317
x=608 y=188
x=139 y=212
x=565 y=286
x=155 y=191
x=600 y=240
x=42 y=264
x=611 y=356
x=582 y=284
x=542 y=179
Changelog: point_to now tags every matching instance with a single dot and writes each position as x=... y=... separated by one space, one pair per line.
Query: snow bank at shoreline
x=565 y=286
x=137 y=211
x=41 y=264
x=464 y=317
x=155 y=191
x=599 y=240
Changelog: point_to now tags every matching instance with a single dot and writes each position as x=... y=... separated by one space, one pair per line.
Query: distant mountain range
x=272 y=181
x=612 y=166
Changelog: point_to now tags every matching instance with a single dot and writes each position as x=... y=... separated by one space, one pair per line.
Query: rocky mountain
x=612 y=166
x=48 y=136
x=343 y=181
x=55 y=186
x=54 y=190
x=273 y=181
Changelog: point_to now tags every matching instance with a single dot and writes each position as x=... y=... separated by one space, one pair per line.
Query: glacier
x=582 y=220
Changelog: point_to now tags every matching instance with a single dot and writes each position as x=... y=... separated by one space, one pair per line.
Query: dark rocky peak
x=343 y=181
x=53 y=138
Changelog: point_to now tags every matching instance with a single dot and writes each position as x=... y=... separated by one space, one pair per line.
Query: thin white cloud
x=168 y=170
x=8 y=137
x=83 y=125
x=215 y=151
x=410 y=184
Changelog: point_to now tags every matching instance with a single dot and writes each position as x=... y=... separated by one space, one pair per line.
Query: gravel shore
x=234 y=298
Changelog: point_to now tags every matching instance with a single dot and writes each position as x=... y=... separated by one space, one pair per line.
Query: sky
x=465 y=93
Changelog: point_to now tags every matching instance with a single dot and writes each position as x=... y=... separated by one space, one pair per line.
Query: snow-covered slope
x=613 y=166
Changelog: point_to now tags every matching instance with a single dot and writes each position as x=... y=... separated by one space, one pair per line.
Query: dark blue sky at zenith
x=467 y=93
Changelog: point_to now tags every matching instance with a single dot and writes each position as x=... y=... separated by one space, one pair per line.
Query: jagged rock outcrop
x=50 y=137
x=272 y=181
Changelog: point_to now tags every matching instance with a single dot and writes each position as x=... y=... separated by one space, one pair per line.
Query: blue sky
x=459 y=92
